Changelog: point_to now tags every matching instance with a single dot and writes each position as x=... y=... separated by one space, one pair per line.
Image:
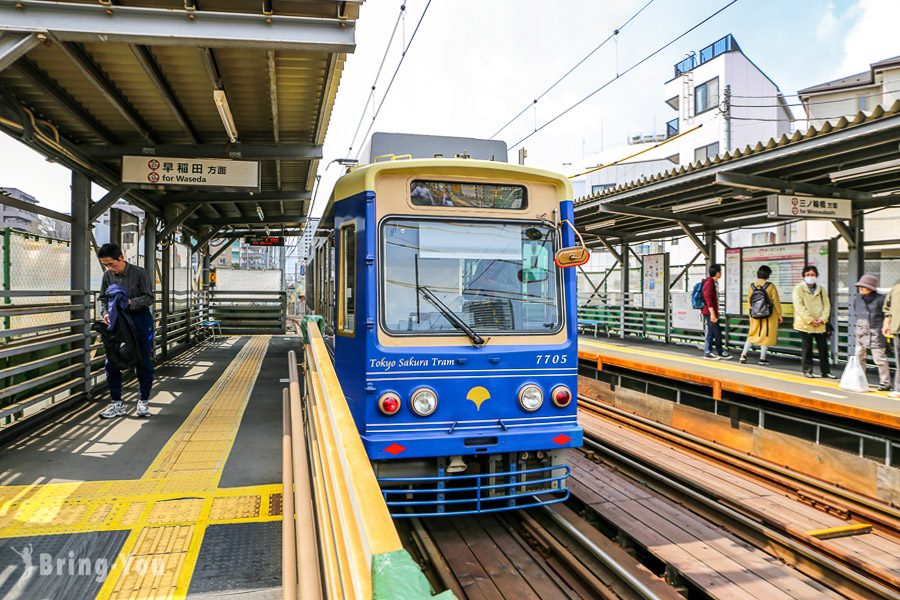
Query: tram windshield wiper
x=451 y=316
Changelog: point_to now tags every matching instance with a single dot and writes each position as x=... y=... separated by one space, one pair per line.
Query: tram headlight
x=561 y=396
x=531 y=397
x=389 y=403
x=423 y=402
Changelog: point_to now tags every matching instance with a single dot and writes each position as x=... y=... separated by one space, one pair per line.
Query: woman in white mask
x=812 y=311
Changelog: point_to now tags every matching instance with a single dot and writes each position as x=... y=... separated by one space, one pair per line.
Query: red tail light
x=389 y=403
x=561 y=396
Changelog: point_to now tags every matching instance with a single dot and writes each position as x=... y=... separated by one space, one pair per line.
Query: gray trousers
x=879 y=355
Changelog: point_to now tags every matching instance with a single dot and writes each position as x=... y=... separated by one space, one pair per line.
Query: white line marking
x=829 y=394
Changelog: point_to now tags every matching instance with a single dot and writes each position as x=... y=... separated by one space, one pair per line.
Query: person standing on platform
x=765 y=315
x=136 y=283
x=867 y=310
x=812 y=310
x=891 y=329
x=711 y=315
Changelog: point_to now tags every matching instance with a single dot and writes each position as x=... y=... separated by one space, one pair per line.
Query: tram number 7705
x=552 y=359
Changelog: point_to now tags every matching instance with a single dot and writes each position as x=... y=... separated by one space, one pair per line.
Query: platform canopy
x=86 y=82
x=856 y=160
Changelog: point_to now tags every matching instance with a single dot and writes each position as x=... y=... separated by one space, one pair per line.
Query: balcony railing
x=717 y=48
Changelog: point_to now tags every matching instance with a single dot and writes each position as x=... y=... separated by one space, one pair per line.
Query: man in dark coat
x=138 y=287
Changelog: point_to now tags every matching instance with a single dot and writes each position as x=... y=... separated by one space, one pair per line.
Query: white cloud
x=828 y=23
x=873 y=35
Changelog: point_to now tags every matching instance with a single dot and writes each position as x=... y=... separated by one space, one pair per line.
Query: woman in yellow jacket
x=763 y=331
x=812 y=310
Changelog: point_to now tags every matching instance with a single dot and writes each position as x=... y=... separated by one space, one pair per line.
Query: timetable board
x=785 y=260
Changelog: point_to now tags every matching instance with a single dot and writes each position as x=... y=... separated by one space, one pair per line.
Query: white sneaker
x=115 y=409
x=142 y=409
x=894 y=395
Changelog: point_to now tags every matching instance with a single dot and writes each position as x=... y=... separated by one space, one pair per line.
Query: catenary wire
x=626 y=71
x=606 y=40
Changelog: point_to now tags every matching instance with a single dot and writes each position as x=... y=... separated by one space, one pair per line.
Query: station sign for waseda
x=202 y=172
x=809 y=207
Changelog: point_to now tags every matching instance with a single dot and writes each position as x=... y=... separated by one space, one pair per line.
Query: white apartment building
x=846 y=97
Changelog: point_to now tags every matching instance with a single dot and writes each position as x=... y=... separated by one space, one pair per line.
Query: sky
x=473 y=65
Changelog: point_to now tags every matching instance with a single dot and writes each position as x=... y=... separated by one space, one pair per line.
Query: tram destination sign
x=196 y=172
x=263 y=240
x=809 y=207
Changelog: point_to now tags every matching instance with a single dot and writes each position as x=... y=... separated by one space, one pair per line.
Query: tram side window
x=347 y=296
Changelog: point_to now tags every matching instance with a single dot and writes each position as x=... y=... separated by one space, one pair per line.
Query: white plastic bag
x=854 y=377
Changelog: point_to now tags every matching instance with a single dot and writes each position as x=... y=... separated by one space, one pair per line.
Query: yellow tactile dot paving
x=175 y=511
x=237 y=507
x=152 y=569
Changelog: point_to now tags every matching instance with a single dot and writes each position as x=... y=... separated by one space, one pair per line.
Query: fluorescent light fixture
x=689 y=206
x=345 y=162
x=225 y=113
x=882 y=168
x=259 y=212
x=600 y=225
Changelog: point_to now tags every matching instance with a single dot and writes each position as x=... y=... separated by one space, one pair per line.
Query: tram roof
x=137 y=77
x=803 y=163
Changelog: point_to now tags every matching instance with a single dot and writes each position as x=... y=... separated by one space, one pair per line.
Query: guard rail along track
x=809 y=554
x=353 y=551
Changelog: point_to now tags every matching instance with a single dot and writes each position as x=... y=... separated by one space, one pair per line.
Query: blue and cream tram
x=454 y=329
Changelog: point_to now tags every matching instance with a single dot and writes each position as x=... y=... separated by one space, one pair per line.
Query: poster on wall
x=684 y=315
x=733 y=281
x=655 y=286
x=817 y=254
x=786 y=262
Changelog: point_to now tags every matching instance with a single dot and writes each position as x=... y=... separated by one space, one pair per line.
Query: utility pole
x=726 y=110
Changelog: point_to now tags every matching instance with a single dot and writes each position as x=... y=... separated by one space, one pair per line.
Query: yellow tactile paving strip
x=169 y=508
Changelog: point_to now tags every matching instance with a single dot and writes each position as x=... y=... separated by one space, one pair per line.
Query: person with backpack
x=709 y=290
x=765 y=315
x=868 y=313
x=812 y=312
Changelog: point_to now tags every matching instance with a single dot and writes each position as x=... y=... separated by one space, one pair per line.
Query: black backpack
x=760 y=303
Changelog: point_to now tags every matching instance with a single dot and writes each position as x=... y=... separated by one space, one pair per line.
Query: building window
x=347 y=295
x=704 y=152
x=706 y=96
x=601 y=187
x=862 y=103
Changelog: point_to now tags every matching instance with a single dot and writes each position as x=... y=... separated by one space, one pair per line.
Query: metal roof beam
x=219 y=252
x=173 y=224
x=697 y=241
x=609 y=248
x=100 y=207
x=49 y=87
x=281 y=151
x=773 y=184
x=152 y=70
x=77 y=22
x=14 y=45
x=33 y=208
x=95 y=75
x=218 y=197
x=651 y=213
x=204 y=239
x=273 y=102
x=845 y=231
x=274 y=221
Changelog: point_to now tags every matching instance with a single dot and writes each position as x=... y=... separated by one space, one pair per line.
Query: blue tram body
x=424 y=249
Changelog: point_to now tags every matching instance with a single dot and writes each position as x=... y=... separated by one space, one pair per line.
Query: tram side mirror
x=573 y=256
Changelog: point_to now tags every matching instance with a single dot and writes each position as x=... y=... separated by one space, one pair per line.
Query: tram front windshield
x=494 y=277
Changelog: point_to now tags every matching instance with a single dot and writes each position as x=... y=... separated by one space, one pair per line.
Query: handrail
x=362 y=556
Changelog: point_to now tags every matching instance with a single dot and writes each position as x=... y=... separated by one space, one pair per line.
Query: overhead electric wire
x=387 y=49
x=626 y=71
x=818 y=102
x=394 y=76
x=578 y=64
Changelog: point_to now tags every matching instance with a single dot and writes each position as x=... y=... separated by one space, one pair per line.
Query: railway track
x=850 y=565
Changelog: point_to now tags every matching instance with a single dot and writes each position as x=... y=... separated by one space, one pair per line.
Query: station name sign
x=263 y=240
x=198 y=172
x=809 y=207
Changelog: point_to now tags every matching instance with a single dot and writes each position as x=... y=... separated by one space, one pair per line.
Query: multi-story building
x=15 y=218
x=847 y=96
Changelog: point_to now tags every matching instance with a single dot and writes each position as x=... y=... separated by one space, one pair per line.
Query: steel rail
x=808 y=550
x=864 y=507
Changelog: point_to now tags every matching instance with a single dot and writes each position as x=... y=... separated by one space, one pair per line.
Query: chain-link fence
x=36 y=263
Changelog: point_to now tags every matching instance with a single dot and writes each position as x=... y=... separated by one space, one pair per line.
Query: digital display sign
x=263 y=240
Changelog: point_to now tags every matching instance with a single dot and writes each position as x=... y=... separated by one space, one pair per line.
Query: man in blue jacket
x=138 y=287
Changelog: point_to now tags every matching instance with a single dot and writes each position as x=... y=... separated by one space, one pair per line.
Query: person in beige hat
x=868 y=316
x=891 y=328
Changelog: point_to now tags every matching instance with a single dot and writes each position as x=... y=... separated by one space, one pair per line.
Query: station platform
x=781 y=382
x=185 y=503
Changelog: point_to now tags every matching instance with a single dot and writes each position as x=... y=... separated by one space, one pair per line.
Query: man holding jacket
x=136 y=283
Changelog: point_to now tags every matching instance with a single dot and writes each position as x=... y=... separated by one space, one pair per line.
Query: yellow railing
x=361 y=553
